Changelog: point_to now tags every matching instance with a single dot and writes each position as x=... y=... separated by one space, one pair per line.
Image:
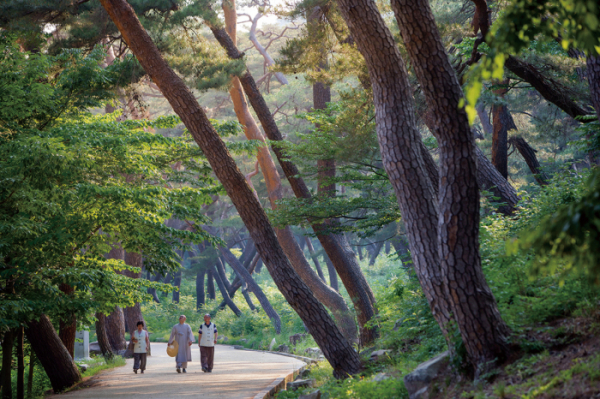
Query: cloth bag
x=173 y=349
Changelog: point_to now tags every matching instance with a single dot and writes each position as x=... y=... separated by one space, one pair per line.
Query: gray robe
x=182 y=333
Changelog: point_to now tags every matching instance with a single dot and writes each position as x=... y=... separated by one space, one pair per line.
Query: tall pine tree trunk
x=103 y=341
x=336 y=349
x=503 y=122
x=336 y=246
x=200 y=296
x=115 y=322
x=315 y=258
x=472 y=303
x=52 y=353
x=227 y=300
x=68 y=324
x=286 y=238
x=253 y=287
x=593 y=72
x=177 y=284
x=20 y=363
x=528 y=153
x=210 y=284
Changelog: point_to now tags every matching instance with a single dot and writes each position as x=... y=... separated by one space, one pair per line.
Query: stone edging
x=281 y=382
x=308 y=360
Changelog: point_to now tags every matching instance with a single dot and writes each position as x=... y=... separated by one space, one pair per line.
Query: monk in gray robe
x=182 y=333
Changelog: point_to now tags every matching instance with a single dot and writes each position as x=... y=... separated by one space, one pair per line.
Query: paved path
x=236 y=374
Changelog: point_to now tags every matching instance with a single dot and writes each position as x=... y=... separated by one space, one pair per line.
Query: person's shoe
x=204 y=369
x=210 y=371
x=184 y=371
x=178 y=370
x=142 y=371
x=135 y=371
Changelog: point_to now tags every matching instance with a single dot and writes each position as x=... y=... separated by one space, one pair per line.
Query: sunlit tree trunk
x=336 y=349
x=286 y=238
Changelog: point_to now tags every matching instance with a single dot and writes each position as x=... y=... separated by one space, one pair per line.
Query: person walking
x=141 y=343
x=207 y=339
x=182 y=333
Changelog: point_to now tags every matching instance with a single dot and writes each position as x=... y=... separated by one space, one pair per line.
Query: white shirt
x=140 y=346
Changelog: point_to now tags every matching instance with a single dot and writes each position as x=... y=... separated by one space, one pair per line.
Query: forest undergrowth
x=553 y=315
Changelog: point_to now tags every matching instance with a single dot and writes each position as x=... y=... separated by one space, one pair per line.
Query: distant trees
x=60 y=212
x=335 y=348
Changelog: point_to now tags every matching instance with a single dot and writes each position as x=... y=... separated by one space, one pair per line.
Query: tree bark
x=68 y=324
x=114 y=325
x=52 y=353
x=115 y=322
x=273 y=182
x=30 y=373
x=336 y=349
x=484 y=333
x=401 y=146
x=103 y=340
x=550 y=90
x=220 y=267
x=210 y=284
x=177 y=283
x=336 y=246
x=593 y=72
x=528 y=153
x=376 y=252
x=333 y=280
x=7 y=354
x=253 y=287
x=503 y=122
x=484 y=118
x=152 y=291
x=200 y=297
x=489 y=179
x=315 y=258
x=226 y=298
x=20 y=364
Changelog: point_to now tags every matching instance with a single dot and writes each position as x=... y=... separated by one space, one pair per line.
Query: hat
x=173 y=349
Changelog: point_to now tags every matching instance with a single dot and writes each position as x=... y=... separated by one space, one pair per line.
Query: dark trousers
x=139 y=361
x=207 y=357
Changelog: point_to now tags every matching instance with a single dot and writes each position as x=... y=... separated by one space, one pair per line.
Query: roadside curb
x=281 y=382
x=307 y=360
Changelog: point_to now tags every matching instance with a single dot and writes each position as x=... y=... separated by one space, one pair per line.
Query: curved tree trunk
x=103 y=341
x=336 y=246
x=115 y=329
x=210 y=284
x=200 y=297
x=484 y=333
x=342 y=357
x=528 y=153
x=503 y=123
x=593 y=72
x=152 y=291
x=55 y=358
x=220 y=267
x=252 y=286
x=226 y=298
x=68 y=324
x=333 y=278
x=324 y=294
x=177 y=283
x=376 y=252
x=315 y=258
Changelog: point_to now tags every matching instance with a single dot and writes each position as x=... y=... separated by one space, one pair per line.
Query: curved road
x=236 y=374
